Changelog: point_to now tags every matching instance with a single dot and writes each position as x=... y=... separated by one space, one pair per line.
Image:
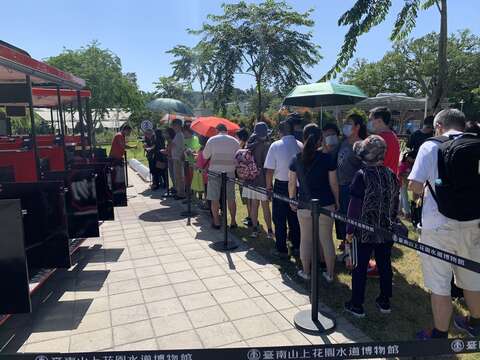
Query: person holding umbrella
x=178 y=149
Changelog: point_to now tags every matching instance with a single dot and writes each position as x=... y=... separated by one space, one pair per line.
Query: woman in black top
x=316 y=174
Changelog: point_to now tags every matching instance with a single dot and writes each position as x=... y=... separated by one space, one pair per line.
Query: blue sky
x=140 y=31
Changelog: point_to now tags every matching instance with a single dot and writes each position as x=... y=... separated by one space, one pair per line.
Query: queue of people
x=358 y=172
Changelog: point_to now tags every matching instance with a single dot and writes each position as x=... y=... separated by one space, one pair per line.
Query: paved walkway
x=152 y=282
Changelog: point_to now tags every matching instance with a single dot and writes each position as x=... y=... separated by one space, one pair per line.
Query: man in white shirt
x=277 y=164
x=178 y=149
x=221 y=150
x=458 y=237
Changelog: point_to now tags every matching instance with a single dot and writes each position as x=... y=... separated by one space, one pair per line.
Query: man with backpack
x=447 y=173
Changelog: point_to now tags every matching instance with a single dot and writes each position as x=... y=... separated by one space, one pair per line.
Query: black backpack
x=457 y=189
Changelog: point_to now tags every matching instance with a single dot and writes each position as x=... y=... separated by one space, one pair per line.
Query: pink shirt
x=202 y=163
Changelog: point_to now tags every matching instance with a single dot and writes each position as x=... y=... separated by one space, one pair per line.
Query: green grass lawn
x=137 y=153
x=410 y=302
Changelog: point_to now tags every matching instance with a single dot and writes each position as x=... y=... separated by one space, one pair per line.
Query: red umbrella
x=206 y=126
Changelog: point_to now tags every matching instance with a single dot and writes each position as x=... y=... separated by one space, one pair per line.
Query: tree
x=102 y=71
x=193 y=64
x=366 y=14
x=263 y=41
x=409 y=65
x=169 y=87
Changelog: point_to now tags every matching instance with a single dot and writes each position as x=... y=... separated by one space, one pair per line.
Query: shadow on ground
x=54 y=306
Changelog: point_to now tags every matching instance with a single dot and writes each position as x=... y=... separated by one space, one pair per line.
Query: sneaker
x=216 y=227
x=270 y=235
x=327 y=277
x=254 y=233
x=303 y=275
x=247 y=222
x=372 y=270
x=233 y=226
x=462 y=323
x=383 y=305
x=430 y=334
x=356 y=311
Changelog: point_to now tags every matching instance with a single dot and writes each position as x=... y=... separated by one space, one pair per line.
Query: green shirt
x=193 y=144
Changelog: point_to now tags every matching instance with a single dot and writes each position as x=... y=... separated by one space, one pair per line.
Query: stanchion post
x=314 y=322
x=225 y=245
x=189 y=213
x=224 y=209
x=126 y=168
x=314 y=273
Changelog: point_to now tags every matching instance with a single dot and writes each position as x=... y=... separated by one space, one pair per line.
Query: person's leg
x=231 y=200
x=215 y=212
x=437 y=276
x=359 y=274
x=293 y=227
x=383 y=254
x=325 y=229
x=179 y=177
x=267 y=216
x=305 y=221
x=254 y=212
x=171 y=172
x=279 y=209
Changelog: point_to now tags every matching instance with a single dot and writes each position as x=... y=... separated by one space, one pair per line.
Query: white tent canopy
x=112 y=120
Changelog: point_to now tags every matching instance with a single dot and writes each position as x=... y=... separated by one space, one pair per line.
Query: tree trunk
x=440 y=90
x=202 y=90
x=259 y=98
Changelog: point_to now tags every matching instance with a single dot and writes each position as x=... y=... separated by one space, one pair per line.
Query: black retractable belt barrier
x=370 y=350
x=388 y=234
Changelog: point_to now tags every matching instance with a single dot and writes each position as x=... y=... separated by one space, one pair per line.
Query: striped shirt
x=221 y=150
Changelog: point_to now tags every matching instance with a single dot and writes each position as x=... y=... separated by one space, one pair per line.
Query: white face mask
x=331 y=140
x=347 y=130
x=370 y=127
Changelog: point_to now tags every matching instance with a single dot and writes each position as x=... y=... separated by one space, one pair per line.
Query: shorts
x=253 y=195
x=214 y=187
x=459 y=238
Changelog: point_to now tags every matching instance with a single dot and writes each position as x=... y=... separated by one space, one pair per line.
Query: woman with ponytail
x=315 y=172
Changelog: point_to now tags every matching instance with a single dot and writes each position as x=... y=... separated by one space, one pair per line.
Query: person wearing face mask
x=354 y=129
x=378 y=123
x=331 y=140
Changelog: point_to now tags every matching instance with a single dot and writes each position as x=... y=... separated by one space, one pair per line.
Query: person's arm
x=332 y=179
x=269 y=166
x=419 y=174
x=354 y=212
x=206 y=151
x=292 y=187
x=269 y=179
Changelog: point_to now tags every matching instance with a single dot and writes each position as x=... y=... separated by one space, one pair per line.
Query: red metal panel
x=23 y=163
x=23 y=60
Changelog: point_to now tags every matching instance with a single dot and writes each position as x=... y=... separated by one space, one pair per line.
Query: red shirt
x=392 y=155
x=118 y=146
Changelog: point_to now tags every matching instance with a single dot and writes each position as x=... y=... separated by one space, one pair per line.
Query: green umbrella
x=170 y=106
x=324 y=94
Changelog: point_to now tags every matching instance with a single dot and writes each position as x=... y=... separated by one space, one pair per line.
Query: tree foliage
x=193 y=64
x=366 y=14
x=411 y=67
x=102 y=71
x=262 y=40
x=169 y=87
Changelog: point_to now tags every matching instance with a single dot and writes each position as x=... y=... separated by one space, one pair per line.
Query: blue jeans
x=344 y=199
x=282 y=215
